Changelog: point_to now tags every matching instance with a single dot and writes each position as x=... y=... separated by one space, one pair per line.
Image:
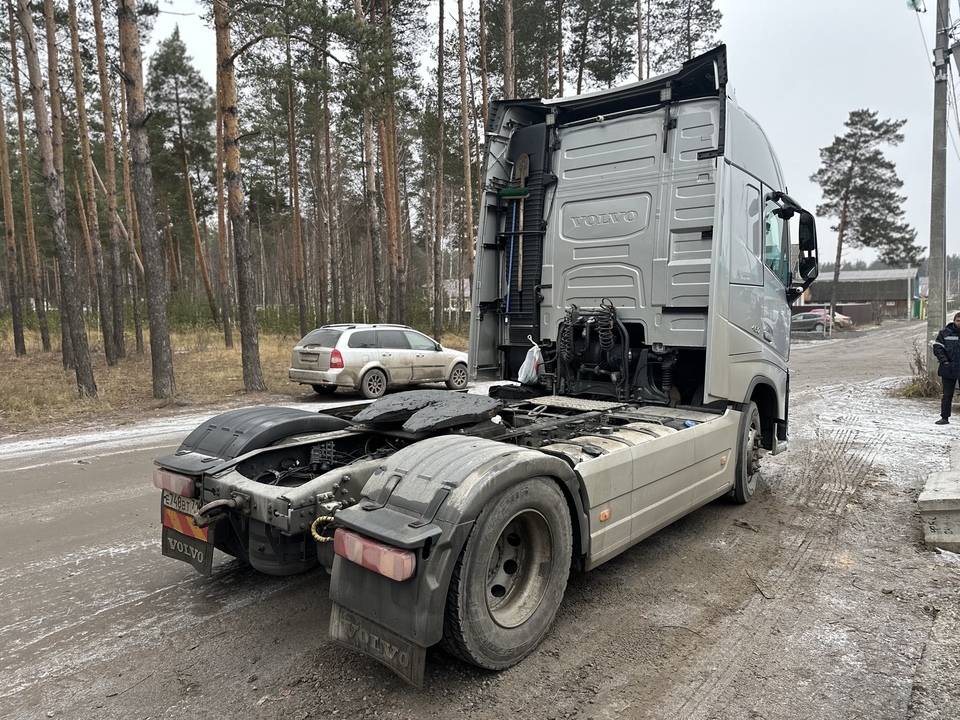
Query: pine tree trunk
x=370 y=195
x=465 y=118
x=246 y=287
x=161 y=355
x=32 y=255
x=110 y=173
x=336 y=250
x=438 y=208
x=13 y=272
x=93 y=220
x=509 y=63
x=71 y=311
x=484 y=75
x=133 y=234
x=299 y=269
x=56 y=135
x=226 y=301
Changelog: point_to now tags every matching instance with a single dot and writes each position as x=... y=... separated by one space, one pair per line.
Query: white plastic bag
x=532 y=368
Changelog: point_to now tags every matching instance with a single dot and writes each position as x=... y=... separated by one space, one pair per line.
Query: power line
x=952 y=96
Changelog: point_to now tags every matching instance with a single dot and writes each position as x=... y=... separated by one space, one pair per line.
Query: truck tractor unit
x=636 y=261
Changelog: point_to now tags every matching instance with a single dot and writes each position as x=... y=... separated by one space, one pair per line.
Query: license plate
x=182 y=539
x=405 y=658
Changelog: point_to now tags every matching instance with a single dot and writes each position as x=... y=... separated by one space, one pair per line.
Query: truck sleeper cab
x=639 y=236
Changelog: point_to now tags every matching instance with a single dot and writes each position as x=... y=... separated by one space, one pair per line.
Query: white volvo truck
x=643 y=240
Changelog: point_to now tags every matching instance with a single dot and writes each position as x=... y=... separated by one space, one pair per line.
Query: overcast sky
x=799 y=67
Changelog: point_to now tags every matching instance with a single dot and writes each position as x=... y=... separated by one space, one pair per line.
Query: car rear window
x=362 y=339
x=323 y=337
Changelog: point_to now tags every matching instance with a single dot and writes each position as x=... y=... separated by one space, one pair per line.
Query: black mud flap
x=195 y=551
x=405 y=658
x=182 y=539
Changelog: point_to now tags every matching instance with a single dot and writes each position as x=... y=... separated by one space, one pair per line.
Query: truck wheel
x=373 y=384
x=748 y=454
x=458 y=377
x=510 y=577
x=324 y=389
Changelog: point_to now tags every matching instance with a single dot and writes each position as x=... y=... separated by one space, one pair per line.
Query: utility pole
x=936 y=299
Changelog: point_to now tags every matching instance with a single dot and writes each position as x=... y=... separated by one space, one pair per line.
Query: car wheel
x=510 y=577
x=373 y=384
x=818 y=327
x=324 y=389
x=458 y=377
x=748 y=455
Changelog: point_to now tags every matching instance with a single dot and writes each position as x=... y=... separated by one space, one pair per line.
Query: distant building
x=869 y=295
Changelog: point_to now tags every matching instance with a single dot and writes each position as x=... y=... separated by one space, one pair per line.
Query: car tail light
x=336 y=359
x=390 y=562
x=175 y=483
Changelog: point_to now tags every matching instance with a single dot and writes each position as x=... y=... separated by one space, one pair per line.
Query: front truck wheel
x=748 y=454
x=510 y=577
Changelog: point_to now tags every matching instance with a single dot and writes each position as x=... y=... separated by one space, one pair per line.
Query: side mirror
x=807 y=233
x=808 y=267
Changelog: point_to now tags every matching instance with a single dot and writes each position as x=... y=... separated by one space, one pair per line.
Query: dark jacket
x=947 y=349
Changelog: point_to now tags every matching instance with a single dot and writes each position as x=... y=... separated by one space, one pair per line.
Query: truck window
x=776 y=243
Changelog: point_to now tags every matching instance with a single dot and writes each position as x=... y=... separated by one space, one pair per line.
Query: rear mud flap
x=405 y=658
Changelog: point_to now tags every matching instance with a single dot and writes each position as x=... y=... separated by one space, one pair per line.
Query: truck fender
x=233 y=433
x=772 y=407
x=426 y=497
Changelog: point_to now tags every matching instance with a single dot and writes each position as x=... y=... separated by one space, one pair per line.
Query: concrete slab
x=939 y=505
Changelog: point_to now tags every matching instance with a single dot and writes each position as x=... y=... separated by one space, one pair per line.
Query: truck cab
x=640 y=236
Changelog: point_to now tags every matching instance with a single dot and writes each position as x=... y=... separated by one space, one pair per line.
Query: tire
x=373 y=384
x=510 y=577
x=748 y=455
x=458 y=377
x=324 y=389
x=818 y=327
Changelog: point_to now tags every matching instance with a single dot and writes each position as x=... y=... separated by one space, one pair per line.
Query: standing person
x=947 y=349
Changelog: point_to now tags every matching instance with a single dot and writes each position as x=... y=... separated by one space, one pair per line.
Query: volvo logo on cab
x=611 y=218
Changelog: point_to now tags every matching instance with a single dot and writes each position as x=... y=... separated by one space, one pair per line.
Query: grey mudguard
x=236 y=432
x=426 y=497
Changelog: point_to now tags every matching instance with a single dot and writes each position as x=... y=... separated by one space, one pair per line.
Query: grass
x=921 y=383
x=36 y=392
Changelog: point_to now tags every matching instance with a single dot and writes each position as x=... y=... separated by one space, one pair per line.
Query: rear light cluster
x=336 y=360
x=382 y=559
x=175 y=483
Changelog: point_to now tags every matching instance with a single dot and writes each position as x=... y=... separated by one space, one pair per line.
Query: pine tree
x=860 y=187
x=678 y=30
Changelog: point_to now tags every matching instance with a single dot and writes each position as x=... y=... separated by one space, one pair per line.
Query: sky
x=799 y=67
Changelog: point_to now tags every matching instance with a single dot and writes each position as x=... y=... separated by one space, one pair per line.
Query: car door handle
x=768 y=336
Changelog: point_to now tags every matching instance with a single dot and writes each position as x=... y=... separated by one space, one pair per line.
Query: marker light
x=177 y=484
x=382 y=559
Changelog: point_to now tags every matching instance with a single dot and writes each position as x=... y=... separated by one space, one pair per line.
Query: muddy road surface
x=818 y=599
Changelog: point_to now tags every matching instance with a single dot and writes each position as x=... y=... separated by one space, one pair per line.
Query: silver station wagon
x=371 y=358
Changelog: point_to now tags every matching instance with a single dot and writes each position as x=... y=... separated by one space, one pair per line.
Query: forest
x=330 y=175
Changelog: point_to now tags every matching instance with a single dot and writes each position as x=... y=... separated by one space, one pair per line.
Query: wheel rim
x=374 y=383
x=459 y=376
x=519 y=569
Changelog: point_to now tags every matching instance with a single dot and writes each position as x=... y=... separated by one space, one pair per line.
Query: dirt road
x=816 y=600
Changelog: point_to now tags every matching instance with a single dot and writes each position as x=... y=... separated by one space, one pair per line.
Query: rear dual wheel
x=510 y=577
